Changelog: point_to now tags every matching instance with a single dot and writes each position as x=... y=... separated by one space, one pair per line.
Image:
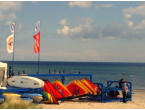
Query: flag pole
x=39 y=54
x=37 y=29
x=13 y=56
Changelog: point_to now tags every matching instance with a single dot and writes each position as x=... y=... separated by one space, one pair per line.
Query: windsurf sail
x=48 y=96
x=76 y=89
x=82 y=87
x=61 y=88
x=95 y=87
x=90 y=88
x=50 y=93
x=54 y=91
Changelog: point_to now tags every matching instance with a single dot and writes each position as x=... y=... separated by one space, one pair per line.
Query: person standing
x=124 y=90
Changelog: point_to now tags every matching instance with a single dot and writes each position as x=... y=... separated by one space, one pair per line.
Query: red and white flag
x=10 y=43
x=37 y=42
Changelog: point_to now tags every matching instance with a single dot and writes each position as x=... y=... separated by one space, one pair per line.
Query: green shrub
x=12 y=102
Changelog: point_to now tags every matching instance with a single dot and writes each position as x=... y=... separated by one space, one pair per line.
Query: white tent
x=3 y=74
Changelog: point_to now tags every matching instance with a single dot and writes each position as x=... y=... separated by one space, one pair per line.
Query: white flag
x=37 y=28
x=10 y=43
x=12 y=27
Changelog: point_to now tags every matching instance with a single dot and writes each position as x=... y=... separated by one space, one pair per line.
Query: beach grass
x=12 y=102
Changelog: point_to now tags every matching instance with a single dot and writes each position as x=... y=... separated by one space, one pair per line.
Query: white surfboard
x=25 y=82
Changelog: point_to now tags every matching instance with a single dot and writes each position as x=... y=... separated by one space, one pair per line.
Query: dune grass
x=12 y=102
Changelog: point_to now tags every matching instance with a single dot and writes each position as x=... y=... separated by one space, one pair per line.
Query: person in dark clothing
x=124 y=85
x=125 y=91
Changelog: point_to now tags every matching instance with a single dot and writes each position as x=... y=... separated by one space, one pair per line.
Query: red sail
x=49 y=91
x=56 y=94
x=76 y=88
x=61 y=88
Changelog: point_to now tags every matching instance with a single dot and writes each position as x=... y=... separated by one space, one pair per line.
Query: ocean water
x=101 y=71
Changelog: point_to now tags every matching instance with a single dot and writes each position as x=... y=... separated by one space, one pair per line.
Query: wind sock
x=37 y=42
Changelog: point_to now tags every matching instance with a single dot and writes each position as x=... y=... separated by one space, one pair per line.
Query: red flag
x=37 y=42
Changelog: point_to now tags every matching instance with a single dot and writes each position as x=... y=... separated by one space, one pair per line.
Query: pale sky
x=75 y=31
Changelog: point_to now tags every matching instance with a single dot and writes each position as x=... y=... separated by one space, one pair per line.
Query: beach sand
x=138 y=102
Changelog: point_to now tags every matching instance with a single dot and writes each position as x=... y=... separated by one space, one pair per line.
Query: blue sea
x=101 y=71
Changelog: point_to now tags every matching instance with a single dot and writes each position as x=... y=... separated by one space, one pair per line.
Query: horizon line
x=73 y=61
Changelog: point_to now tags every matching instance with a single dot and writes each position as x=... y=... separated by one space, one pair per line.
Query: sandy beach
x=138 y=102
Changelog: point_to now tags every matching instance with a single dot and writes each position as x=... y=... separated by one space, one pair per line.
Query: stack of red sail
x=95 y=87
x=57 y=90
x=61 y=88
x=52 y=91
x=75 y=88
x=89 y=87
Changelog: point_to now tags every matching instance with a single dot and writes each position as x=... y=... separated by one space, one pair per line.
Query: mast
x=39 y=54
x=13 y=56
x=37 y=29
